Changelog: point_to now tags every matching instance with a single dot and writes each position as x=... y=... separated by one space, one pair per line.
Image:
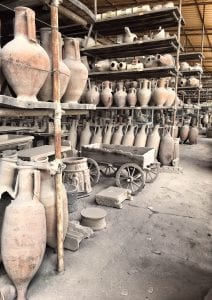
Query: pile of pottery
x=184 y=66
x=188 y=134
x=27 y=66
x=30 y=219
x=138 y=63
x=135 y=9
x=141 y=93
x=189 y=82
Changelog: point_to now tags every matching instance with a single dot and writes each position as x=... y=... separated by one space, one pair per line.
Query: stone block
x=84 y=230
x=113 y=196
x=72 y=240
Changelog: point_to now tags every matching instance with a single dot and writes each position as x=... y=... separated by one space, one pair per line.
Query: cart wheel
x=152 y=172
x=108 y=170
x=94 y=171
x=130 y=176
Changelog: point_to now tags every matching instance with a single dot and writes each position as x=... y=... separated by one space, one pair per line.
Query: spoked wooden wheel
x=94 y=171
x=108 y=170
x=152 y=172
x=130 y=176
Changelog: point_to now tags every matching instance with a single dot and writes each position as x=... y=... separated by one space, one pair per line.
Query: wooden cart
x=132 y=166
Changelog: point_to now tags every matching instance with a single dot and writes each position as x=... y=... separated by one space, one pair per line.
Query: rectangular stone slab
x=38 y=152
x=113 y=196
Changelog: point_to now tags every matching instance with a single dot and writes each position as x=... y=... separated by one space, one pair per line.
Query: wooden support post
x=57 y=131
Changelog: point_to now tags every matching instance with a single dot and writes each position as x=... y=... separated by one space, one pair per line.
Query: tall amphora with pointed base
x=23 y=240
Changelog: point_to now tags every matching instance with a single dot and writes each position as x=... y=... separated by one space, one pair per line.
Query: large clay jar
x=153 y=139
x=144 y=93
x=160 y=94
x=46 y=92
x=25 y=63
x=132 y=96
x=129 y=37
x=166 y=60
x=192 y=135
x=97 y=136
x=85 y=135
x=120 y=96
x=7 y=172
x=106 y=94
x=117 y=135
x=24 y=232
x=129 y=137
x=171 y=95
x=72 y=137
x=108 y=134
x=92 y=95
x=184 y=131
x=166 y=149
x=48 y=199
x=140 y=139
x=79 y=72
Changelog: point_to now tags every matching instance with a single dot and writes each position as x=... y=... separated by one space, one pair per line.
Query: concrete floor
x=160 y=255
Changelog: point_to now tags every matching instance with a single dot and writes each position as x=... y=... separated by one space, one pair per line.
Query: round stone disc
x=94 y=213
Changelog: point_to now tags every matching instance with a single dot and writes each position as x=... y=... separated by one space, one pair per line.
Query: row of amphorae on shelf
x=27 y=66
x=129 y=135
x=141 y=93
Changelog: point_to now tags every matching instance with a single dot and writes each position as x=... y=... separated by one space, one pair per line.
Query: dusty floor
x=142 y=255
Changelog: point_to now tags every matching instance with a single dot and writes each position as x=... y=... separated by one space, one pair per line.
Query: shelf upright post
x=177 y=62
x=57 y=132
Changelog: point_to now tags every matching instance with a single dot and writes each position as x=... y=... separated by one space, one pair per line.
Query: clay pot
x=176 y=148
x=46 y=92
x=7 y=290
x=24 y=232
x=114 y=65
x=48 y=199
x=25 y=64
x=92 y=95
x=192 y=81
x=160 y=34
x=102 y=65
x=153 y=139
x=108 y=134
x=97 y=136
x=85 y=135
x=171 y=95
x=129 y=37
x=79 y=73
x=106 y=95
x=117 y=135
x=122 y=65
x=184 y=131
x=160 y=93
x=205 y=120
x=120 y=96
x=182 y=82
x=140 y=139
x=192 y=135
x=151 y=61
x=144 y=93
x=129 y=137
x=184 y=66
x=72 y=138
x=166 y=149
x=132 y=97
x=166 y=60
x=7 y=172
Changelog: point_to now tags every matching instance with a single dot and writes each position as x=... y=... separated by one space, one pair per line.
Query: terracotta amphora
x=205 y=120
x=132 y=96
x=166 y=60
x=144 y=92
x=192 y=135
x=184 y=131
x=79 y=72
x=129 y=37
x=129 y=137
x=24 y=231
x=108 y=134
x=7 y=172
x=176 y=148
x=85 y=135
x=97 y=136
x=140 y=139
x=48 y=199
x=92 y=95
x=153 y=139
x=117 y=135
x=106 y=95
x=72 y=137
x=166 y=149
x=25 y=64
x=160 y=94
x=120 y=96
x=171 y=95
x=46 y=92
